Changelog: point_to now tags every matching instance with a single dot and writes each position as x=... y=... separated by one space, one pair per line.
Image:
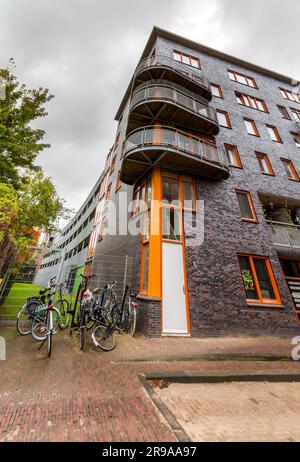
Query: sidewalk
x=97 y=396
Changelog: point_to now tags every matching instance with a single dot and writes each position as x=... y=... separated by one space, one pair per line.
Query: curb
x=198 y=377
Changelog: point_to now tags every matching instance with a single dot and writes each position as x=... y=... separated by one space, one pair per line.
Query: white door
x=174 y=301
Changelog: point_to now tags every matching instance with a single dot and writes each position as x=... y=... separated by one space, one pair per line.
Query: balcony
x=170 y=104
x=286 y=239
x=165 y=67
x=170 y=149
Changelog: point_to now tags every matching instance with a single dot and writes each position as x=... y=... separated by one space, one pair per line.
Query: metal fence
x=17 y=286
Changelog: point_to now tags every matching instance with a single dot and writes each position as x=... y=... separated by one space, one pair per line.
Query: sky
x=85 y=52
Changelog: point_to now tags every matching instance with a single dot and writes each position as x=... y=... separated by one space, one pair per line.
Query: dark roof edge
x=157 y=31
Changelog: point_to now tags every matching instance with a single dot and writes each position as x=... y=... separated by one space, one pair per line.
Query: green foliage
x=8 y=209
x=20 y=143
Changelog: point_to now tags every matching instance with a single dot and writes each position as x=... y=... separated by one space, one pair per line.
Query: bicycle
x=85 y=308
x=127 y=313
x=46 y=321
x=63 y=305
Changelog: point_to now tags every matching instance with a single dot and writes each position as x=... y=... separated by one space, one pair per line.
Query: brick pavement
x=236 y=412
x=97 y=396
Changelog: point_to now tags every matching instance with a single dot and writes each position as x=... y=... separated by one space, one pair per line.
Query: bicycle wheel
x=132 y=321
x=49 y=333
x=24 y=318
x=104 y=338
x=39 y=327
x=63 y=307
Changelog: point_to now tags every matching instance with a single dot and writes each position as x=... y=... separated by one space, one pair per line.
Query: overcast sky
x=85 y=52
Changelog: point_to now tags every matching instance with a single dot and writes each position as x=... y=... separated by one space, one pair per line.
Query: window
x=188 y=193
x=291 y=96
x=243 y=79
x=223 y=119
x=258 y=279
x=264 y=164
x=250 y=101
x=274 y=134
x=246 y=206
x=118 y=184
x=233 y=156
x=290 y=170
x=284 y=112
x=296 y=114
x=117 y=140
x=216 y=90
x=251 y=127
x=171 y=223
x=108 y=192
x=113 y=165
x=296 y=137
x=186 y=59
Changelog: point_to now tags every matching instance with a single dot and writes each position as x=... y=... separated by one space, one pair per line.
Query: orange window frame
x=219 y=111
x=190 y=57
x=250 y=201
x=218 y=87
x=247 y=77
x=108 y=192
x=292 y=167
x=261 y=155
x=276 y=132
x=264 y=301
x=252 y=101
x=119 y=183
x=296 y=137
x=113 y=164
x=255 y=129
x=236 y=154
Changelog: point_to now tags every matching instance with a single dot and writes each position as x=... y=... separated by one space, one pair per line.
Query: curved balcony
x=286 y=239
x=168 y=103
x=170 y=149
x=165 y=67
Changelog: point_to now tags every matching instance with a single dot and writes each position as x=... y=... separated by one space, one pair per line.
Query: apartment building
x=67 y=249
x=199 y=127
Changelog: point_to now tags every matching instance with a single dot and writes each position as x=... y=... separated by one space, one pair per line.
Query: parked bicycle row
x=100 y=314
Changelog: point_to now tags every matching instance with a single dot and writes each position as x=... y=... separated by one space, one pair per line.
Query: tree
x=20 y=143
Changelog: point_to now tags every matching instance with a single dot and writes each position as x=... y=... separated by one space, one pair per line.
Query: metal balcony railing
x=176 y=140
x=286 y=238
x=169 y=93
x=160 y=60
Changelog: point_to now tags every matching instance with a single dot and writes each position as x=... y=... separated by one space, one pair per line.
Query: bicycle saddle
x=96 y=291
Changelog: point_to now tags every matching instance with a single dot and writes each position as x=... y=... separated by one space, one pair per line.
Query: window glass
x=170 y=189
x=171 y=224
x=216 y=90
x=231 y=75
x=188 y=194
x=232 y=156
x=260 y=105
x=241 y=79
x=248 y=280
x=185 y=59
x=264 y=282
x=177 y=56
x=195 y=62
x=145 y=266
x=263 y=164
x=222 y=119
x=244 y=204
x=272 y=133
x=250 y=127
